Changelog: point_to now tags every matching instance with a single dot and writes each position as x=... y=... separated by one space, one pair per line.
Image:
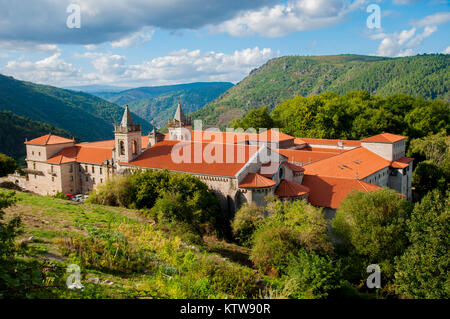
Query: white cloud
x=52 y=69
x=447 y=50
x=177 y=67
x=134 y=39
x=14 y=45
x=294 y=15
x=406 y=42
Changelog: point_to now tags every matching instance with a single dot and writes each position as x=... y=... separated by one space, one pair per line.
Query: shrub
x=310 y=276
x=7 y=165
x=246 y=221
x=230 y=279
x=289 y=228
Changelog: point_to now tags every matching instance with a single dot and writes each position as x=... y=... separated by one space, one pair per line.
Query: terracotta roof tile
x=402 y=162
x=294 y=167
x=255 y=180
x=347 y=164
x=159 y=157
x=301 y=156
x=81 y=154
x=330 y=191
x=49 y=139
x=333 y=142
x=384 y=138
x=290 y=189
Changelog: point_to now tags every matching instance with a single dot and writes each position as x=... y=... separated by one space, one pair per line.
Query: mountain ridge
x=285 y=77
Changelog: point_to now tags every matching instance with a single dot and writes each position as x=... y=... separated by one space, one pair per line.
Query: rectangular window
x=93 y=169
x=32 y=153
x=51 y=168
x=101 y=180
x=71 y=168
x=100 y=171
x=53 y=179
x=85 y=168
x=87 y=178
x=71 y=178
x=39 y=153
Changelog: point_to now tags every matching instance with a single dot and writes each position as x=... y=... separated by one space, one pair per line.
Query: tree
x=310 y=276
x=7 y=165
x=423 y=270
x=374 y=225
x=289 y=228
x=257 y=118
x=433 y=170
x=247 y=219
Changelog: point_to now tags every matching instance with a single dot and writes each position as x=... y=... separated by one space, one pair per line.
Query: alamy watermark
x=374 y=279
x=374 y=19
x=74 y=280
x=74 y=19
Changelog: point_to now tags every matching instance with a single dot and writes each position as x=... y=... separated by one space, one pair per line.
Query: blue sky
x=156 y=42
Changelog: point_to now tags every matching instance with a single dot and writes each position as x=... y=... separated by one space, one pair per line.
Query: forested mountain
x=159 y=103
x=15 y=129
x=86 y=116
x=426 y=76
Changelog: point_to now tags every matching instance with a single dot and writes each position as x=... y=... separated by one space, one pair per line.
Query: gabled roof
x=301 y=156
x=159 y=156
x=402 y=162
x=81 y=154
x=356 y=163
x=255 y=180
x=290 y=189
x=384 y=138
x=127 y=120
x=330 y=191
x=274 y=135
x=49 y=139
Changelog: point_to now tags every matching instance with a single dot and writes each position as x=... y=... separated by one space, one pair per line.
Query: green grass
x=170 y=268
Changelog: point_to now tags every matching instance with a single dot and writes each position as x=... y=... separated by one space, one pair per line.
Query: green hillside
x=86 y=116
x=427 y=76
x=15 y=129
x=159 y=103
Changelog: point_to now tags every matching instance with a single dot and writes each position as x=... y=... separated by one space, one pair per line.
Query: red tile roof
x=330 y=191
x=301 y=156
x=347 y=164
x=255 y=180
x=290 y=189
x=273 y=135
x=294 y=167
x=334 y=142
x=81 y=154
x=402 y=162
x=110 y=143
x=323 y=149
x=159 y=157
x=384 y=138
x=49 y=139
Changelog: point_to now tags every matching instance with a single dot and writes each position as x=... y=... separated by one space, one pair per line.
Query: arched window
x=134 y=147
x=121 y=148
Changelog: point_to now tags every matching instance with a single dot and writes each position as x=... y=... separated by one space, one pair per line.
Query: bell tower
x=180 y=128
x=128 y=140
